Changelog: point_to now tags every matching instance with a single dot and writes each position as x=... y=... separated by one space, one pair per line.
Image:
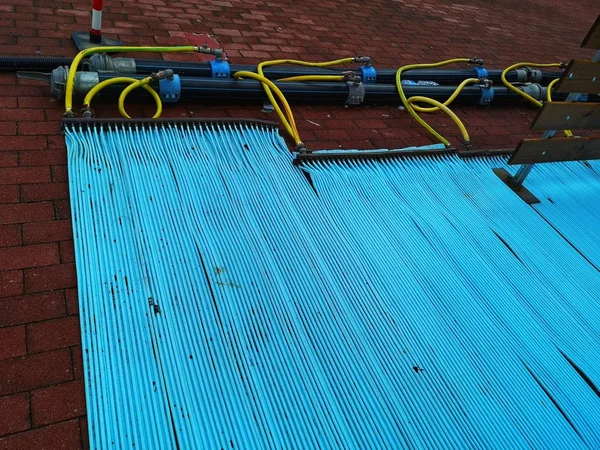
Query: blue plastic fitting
x=487 y=95
x=481 y=71
x=369 y=74
x=220 y=68
x=170 y=89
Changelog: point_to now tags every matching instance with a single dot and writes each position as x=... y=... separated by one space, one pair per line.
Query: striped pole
x=96 y=30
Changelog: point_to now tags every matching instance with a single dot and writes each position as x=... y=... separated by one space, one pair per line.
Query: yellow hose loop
x=290 y=118
x=519 y=91
x=441 y=107
x=314 y=78
x=450 y=99
x=286 y=123
x=136 y=84
x=90 y=95
x=409 y=107
x=114 y=49
x=539 y=104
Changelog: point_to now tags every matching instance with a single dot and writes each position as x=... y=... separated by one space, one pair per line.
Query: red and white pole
x=96 y=30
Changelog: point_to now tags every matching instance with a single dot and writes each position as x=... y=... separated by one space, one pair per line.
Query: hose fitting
x=478 y=61
x=217 y=52
x=351 y=76
x=166 y=74
x=486 y=83
x=363 y=59
x=468 y=145
x=301 y=148
x=87 y=112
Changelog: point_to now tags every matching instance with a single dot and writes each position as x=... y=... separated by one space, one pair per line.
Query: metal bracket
x=369 y=74
x=36 y=76
x=220 y=68
x=517 y=188
x=268 y=107
x=356 y=93
x=82 y=41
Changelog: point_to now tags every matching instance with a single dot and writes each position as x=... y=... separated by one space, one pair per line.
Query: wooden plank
x=534 y=151
x=580 y=77
x=568 y=116
x=592 y=40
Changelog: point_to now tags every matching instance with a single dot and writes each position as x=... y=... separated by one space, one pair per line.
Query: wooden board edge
x=593 y=35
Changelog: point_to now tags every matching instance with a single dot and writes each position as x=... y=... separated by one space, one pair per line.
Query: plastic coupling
x=468 y=145
x=478 y=61
x=487 y=91
x=166 y=74
x=533 y=75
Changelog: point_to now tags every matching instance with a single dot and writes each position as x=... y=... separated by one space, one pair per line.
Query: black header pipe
x=203 y=69
x=200 y=89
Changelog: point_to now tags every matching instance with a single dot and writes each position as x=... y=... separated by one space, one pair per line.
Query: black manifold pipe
x=199 y=69
x=228 y=90
x=32 y=63
x=384 y=76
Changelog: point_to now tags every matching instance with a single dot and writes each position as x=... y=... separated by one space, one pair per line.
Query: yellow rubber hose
x=510 y=86
x=314 y=78
x=409 y=106
x=438 y=106
x=450 y=99
x=549 y=91
x=136 y=84
x=290 y=118
x=288 y=124
x=90 y=95
x=519 y=91
x=296 y=62
x=91 y=51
